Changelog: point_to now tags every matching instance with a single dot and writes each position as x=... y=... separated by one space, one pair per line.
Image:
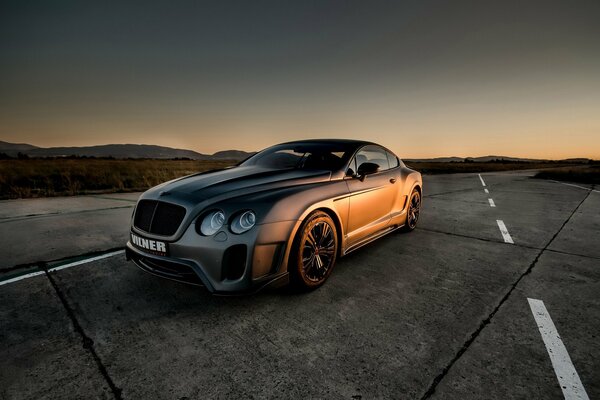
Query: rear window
x=393 y=160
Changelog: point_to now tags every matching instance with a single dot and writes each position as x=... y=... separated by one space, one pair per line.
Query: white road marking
x=492 y=204
x=504 y=231
x=18 y=278
x=577 y=186
x=485 y=190
x=568 y=378
x=58 y=268
x=481 y=179
x=86 y=260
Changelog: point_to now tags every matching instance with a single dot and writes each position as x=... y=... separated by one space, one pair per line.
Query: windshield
x=317 y=156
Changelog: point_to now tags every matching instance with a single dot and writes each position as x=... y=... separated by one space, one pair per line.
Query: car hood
x=232 y=182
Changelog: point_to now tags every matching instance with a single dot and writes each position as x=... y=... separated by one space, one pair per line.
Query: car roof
x=354 y=142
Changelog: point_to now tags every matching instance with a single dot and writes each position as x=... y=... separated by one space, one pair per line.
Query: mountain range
x=118 y=151
x=490 y=159
x=152 y=151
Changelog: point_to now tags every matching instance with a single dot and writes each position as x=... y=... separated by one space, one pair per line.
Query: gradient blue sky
x=425 y=78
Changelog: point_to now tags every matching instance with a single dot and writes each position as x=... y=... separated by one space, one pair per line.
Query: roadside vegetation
x=585 y=174
x=44 y=177
x=25 y=177
x=489 y=166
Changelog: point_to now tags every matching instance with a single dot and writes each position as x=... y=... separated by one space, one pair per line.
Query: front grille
x=158 y=217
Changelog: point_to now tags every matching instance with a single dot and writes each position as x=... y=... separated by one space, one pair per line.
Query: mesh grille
x=158 y=217
x=167 y=218
x=143 y=214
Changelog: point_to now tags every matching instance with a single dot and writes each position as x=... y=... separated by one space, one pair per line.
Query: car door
x=400 y=199
x=371 y=198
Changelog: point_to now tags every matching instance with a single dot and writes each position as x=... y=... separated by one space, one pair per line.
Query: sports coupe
x=284 y=215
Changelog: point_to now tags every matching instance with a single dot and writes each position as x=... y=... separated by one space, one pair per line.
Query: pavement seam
x=524 y=246
x=572 y=254
x=114 y=198
x=5 y=220
x=466 y=190
x=475 y=238
x=87 y=342
x=36 y=264
x=436 y=381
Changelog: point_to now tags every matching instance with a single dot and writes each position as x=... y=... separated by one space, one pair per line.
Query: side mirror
x=367 y=168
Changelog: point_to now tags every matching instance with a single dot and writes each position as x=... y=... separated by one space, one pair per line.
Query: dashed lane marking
x=487 y=191
x=504 y=232
x=492 y=204
x=568 y=378
x=481 y=179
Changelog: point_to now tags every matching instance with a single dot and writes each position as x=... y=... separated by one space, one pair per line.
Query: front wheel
x=315 y=252
x=414 y=209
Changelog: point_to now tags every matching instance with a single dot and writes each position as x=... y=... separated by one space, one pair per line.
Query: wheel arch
x=338 y=226
x=418 y=187
x=336 y=221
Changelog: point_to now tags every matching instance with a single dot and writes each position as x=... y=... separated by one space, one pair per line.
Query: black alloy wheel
x=315 y=252
x=414 y=208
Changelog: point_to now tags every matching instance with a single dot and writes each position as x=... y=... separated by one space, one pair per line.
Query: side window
x=352 y=168
x=392 y=159
x=372 y=154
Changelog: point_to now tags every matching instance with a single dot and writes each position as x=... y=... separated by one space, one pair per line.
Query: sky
x=424 y=78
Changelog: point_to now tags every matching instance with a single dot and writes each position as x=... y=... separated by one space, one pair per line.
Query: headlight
x=212 y=223
x=243 y=222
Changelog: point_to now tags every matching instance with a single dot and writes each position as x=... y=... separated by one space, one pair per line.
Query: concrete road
x=35 y=230
x=441 y=312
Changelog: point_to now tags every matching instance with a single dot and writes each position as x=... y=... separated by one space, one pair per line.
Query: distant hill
x=474 y=159
x=6 y=147
x=437 y=159
x=231 y=155
x=161 y=152
x=502 y=158
x=118 y=151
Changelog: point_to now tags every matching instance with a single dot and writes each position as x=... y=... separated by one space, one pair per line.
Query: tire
x=414 y=209
x=314 y=252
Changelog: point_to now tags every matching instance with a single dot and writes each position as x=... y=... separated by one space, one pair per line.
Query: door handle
x=393 y=180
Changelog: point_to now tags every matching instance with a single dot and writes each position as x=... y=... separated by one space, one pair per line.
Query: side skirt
x=370 y=239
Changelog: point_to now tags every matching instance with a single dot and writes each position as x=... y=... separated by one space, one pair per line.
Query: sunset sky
x=425 y=78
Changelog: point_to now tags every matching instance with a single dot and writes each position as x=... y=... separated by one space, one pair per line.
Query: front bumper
x=224 y=263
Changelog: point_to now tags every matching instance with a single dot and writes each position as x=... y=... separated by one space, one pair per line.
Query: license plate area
x=156 y=247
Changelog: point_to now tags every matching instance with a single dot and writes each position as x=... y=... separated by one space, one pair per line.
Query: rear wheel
x=315 y=252
x=414 y=209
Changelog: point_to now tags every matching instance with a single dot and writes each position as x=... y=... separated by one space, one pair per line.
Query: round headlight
x=243 y=222
x=212 y=222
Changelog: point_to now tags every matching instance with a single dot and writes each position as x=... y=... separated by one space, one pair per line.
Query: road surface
x=463 y=307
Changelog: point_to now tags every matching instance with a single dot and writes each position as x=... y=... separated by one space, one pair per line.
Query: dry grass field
x=67 y=177
x=586 y=174
x=43 y=177
x=470 y=167
x=559 y=170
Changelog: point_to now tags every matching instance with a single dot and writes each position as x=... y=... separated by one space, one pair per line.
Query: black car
x=282 y=216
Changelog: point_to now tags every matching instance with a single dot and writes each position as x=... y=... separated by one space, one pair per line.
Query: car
x=282 y=216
